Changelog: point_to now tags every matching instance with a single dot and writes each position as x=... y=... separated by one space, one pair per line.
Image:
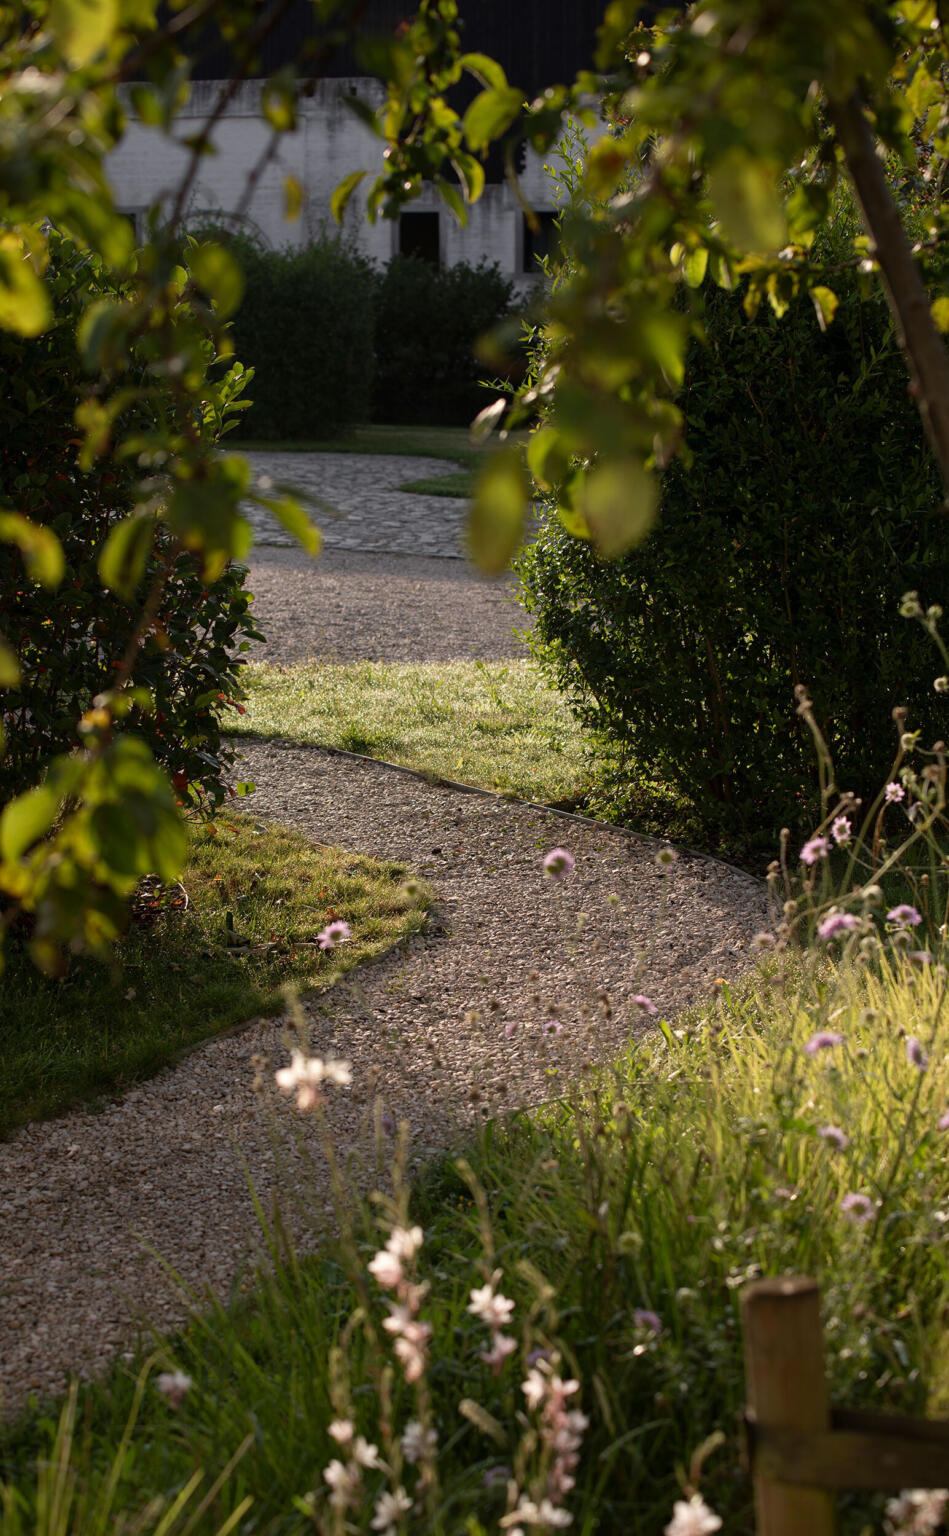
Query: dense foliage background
x=810 y=505
x=71 y=638
x=335 y=341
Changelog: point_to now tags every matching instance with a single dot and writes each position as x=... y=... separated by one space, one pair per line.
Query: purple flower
x=836 y=923
x=559 y=863
x=643 y=1002
x=944 y=1121
x=841 y=831
x=894 y=792
x=815 y=848
x=835 y=1135
x=858 y=1207
x=904 y=916
x=921 y=956
x=388 y=1124
x=552 y=1027
x=915 y=1054
x=823 y=1040
x=333 y=934
x=643 y=1318
x=510 y=1029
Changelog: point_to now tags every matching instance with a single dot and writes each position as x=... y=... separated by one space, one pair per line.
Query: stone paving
x=354 y=499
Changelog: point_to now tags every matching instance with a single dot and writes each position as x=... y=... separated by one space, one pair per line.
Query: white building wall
x=329 y=142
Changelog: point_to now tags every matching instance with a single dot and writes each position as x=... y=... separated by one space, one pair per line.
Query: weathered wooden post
x=787 y=1391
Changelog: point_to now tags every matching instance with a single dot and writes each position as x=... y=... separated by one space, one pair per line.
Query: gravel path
x=355 y=606
x=444 y=1031
x=448 y=1028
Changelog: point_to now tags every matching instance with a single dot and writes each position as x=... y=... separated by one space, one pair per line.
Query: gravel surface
x=444 y=1030
x=498 y=1003
x=355 y=606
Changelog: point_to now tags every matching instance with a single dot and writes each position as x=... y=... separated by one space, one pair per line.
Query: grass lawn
x=493 y=724
x=451 y=443
x=623 y=1227
x=257 y=897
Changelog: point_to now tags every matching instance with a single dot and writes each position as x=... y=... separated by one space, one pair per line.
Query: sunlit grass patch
x=493 y=724
x=257 y=896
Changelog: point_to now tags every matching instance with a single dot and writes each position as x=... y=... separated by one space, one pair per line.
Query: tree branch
x=907 y=297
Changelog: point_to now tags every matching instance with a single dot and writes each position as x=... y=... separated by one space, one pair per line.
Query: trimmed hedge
x=811 y=505
x=427 y=322
x=306 y=328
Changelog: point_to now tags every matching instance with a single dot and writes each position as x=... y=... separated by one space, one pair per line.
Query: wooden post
x=787 y=1390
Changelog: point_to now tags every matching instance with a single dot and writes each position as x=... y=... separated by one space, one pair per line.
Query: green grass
x=451 y=443
x=688 y=1169
x=460 y=486
x=257 y=897
x=493 y=724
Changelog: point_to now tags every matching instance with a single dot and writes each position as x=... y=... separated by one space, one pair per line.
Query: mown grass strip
x=451 y=443
x=257 y=898
x=492 y=724
x=459 y=486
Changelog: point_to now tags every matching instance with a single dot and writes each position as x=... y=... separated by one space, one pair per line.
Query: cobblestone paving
x=354 y=499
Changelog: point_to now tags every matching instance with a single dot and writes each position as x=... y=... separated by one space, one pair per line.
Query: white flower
x=501 y=1346
x=404 y=1243
x=338 y=1072
x=535 y=1387
x=173 y=1385
x=365 y=1453
x=417 y=1442
x=387 y=1270
x=389 y=1509
x=917 y=1512
x=545 y=1513
x=399 y=1319
x=412 y=1358
x=490 y=1306
x=306 y=1073
x=693 y=1518
x=343 y=1482
x=341 y=1430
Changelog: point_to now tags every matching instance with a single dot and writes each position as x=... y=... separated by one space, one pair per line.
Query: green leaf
x=619 y=499
x=745 y=197
x=125 y=554
x=488 y=71
x=27 y=819
x=491 y=114
x=826 y=301
x=546 y=458
x=452 y=199
x=83 y=28
x=9 y=666
x=470 y=173
x=292 y=198
x=215 y=270
x=694 y=267
x=41 y=550
x=289 y=512
x=496 y=524
x=278 y=103
x=25 y=307
x=340 y=198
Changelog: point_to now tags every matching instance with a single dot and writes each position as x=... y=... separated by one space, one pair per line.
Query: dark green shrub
x=780 y=556
x=70 y=640
x=427 y=322
x=306 y=328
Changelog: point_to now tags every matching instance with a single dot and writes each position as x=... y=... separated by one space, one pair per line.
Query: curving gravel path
x=452 y=1026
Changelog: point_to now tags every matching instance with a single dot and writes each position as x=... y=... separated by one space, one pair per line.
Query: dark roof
x=538 y=42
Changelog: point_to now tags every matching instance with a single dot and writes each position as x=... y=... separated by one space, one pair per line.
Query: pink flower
x=333 y=934
x=489 y=1306
x=510 y=1029
x=815 y=848
x=894 y=793
x=915 y=1054
x=559 y=863
x=836 y=923
x=552 y=1027
x=501 y=1347
x=834 y=1134
x=822 y=1041
x=904 y=916
x=644 y=1002
x=387 y=1269
x=643 y=1318
x=944 y=1121
x=858 y=1207
x=841 y=831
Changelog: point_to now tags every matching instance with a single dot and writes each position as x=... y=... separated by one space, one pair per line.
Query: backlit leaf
x=215 y=270
x=340 y=198
x=825 y=303
x=619 y=500
x=292 y=198
x=83 y=28
x=9 y=666
x=491 y=114
x=496 y=524
x=24 y=303
x=26 y=819
x=745 y=196
x=125 y=554
x=41 y=549
x=288 y=511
